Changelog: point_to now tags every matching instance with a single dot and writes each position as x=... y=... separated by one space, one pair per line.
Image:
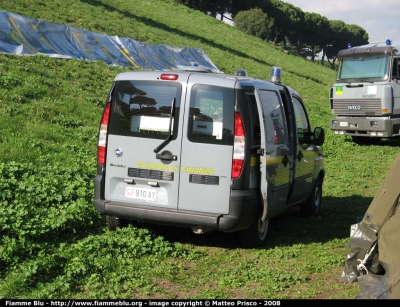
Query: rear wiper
x=168 y=139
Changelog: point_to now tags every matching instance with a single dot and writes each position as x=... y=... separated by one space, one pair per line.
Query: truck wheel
x=256 y=235
x=114 y=222
x=312 y=206
x=361 y=140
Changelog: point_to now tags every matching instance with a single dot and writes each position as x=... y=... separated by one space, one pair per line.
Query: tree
x=323 y=32
x=283 y=25
x=309 y=33
x=315 y=38
x=338 y=36
x=210 y=7
x=245 y=5
x=298 y=26
x=254 y=22
x=217 y=7
x=358 y=36
x=338 y=40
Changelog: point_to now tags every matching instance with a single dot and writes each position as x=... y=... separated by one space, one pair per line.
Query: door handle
x=285 y=160
x=300 y=155
x=167 y=156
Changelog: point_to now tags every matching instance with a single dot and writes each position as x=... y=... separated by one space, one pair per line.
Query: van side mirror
x=319 y=136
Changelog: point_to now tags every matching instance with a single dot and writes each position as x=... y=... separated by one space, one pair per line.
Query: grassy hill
x=53 y=244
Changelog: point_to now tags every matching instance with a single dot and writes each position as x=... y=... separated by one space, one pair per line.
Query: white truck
x=366 y=95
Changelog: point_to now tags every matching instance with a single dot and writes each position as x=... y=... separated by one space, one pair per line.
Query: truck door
x=276 y=155
x=207 y=145
x=395 y=83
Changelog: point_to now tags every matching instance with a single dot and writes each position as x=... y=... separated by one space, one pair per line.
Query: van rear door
x=191 y=170
x=207 y=145
x=140 y=121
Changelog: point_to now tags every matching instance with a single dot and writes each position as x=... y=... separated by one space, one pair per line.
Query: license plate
x=139 y=193
x=344 y=124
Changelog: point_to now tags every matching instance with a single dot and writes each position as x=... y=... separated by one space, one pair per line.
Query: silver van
x=206 y=151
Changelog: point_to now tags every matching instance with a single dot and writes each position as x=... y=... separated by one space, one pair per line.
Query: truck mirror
x=319 y=136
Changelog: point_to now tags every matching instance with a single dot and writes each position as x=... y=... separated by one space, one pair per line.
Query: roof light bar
x=276 y=73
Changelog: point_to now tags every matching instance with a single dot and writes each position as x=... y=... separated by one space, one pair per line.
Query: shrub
x=254 y=22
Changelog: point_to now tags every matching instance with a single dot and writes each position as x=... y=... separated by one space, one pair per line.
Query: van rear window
x=143 y=108
x=211 y=117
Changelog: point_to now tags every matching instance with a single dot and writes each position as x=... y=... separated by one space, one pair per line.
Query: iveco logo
x=118 y=152
x=354 y=107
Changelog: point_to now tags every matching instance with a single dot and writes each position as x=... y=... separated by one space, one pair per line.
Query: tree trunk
x=313 y=53
x=298 y=47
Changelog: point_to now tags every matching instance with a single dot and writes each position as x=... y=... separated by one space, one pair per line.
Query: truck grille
x=150 y=174
x=357 y=107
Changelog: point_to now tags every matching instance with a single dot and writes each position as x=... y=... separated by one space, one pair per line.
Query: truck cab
x=207 y=152
x=366 y=94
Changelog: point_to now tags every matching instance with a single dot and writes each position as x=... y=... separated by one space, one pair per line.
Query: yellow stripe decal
x=273 y=160
x=255 y=161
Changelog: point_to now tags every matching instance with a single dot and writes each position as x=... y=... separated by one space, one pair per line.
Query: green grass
x=54 y=244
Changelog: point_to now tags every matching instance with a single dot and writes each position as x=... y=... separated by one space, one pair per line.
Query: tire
x=362 y=140
x=312 y=206
x=114 y=222
x=256 y=235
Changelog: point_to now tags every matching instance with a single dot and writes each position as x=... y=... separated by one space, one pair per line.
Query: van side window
x=396 y=69
x=274 y=117
x=302 y=125
x=143 y=108
x=211 y=115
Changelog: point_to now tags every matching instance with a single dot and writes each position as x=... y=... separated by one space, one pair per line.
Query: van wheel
x=312 y=206
x=114 y=222
x=256 y=235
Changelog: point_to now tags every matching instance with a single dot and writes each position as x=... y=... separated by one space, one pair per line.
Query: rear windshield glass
x=211 y=117
x=143 y=109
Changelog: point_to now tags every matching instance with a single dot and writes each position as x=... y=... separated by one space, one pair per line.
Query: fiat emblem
x=118 y=152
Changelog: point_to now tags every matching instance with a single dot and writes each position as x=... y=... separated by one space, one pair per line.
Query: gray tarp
x=26 y=36
x=375 y=244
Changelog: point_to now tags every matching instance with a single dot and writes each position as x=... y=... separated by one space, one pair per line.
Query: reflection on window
x=275 y=124
x=211 y=114
x=302 y=125
x=396 y=69
x=373 y=67
x=143 y=108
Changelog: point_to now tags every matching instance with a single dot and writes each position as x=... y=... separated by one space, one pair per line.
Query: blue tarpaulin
x=20 y=35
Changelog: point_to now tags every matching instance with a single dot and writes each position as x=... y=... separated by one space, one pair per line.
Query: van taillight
x=238 y=147
x=101 y=146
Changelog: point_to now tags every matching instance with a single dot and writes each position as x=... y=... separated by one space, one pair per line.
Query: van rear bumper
x=243 y=210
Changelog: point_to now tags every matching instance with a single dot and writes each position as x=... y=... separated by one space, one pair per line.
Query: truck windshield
x=369 y=68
